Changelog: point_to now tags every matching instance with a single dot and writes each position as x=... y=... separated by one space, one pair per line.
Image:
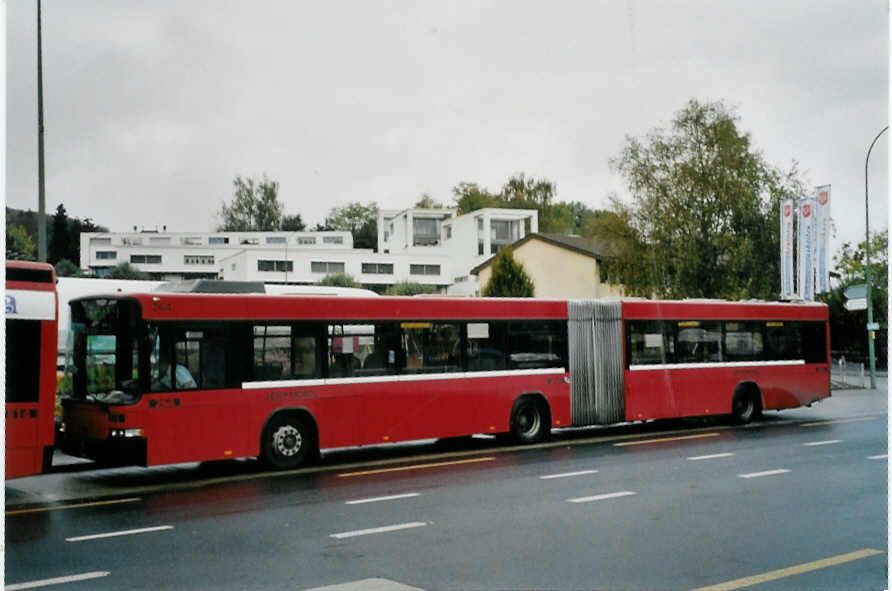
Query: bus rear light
x=138 y=432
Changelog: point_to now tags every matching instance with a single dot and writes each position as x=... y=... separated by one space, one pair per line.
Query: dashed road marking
x=114 y=534
x=624 y=493
x=57 y=580
x=367 y=585
x=828 y=442
x=765 y=473
x=791 y=571
x=378 y=530
x=711 y=456
x=568 y=474
x=387 y=498
x=879 y=457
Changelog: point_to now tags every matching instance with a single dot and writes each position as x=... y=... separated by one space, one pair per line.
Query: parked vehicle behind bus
x=31 y=332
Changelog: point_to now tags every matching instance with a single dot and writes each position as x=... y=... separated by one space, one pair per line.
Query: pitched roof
x=585 y=246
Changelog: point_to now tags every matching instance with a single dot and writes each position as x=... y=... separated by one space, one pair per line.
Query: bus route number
x=161 y=307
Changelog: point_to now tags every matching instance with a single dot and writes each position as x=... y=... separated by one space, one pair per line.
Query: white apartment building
x=428 y=246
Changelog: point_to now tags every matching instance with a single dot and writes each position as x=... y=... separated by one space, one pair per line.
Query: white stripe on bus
x=716 y=364
x=415 y=377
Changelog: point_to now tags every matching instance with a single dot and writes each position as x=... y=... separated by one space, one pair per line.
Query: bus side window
x=534 y=344
x=486 y=346
x=649 y=342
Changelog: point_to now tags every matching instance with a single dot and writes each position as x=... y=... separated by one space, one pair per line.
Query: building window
x=425 y=231
x=250 y=241
x=160 y=240
x=306 y=240
x=377 y=268
x=332 y=240
x=106 y=254
x=424 y=269
x=326 y=267
x=100 y=240
x=218 y=240
x=281 y=266
x=146 y=259
x=448 y=232
x=192 y=241
x=131 y=241
x=276 y=240
x=198 y=259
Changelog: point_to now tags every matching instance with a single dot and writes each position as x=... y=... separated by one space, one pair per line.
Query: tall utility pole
x=870 y=331
x=41 y=196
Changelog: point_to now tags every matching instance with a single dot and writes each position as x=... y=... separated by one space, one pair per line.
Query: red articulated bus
x=166 y=378
x=31 y=333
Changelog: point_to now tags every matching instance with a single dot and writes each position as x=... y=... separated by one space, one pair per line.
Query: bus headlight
x=137 y=432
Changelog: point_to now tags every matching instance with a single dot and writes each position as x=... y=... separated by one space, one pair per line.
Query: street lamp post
x=870 y=333
x=41 y=194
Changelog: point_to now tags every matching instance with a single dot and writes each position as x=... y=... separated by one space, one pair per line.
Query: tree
x=255 y=207
x=339 y=280
x=521 y=192
x=427 y=202
x=125 y=271
x=508 y=279
x=19 y=244
x=409 y=288
x=358 y=219
x=293 y=223
x=848 y=334
x=60 y=243
x=65 y=268
x=704 y=211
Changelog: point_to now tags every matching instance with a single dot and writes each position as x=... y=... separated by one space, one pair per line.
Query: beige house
x=561 y=267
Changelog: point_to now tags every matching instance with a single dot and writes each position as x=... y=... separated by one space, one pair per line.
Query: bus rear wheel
x=529 y=421
x=288 y=441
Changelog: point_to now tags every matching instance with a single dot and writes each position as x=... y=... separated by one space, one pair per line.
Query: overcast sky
x=153 y=107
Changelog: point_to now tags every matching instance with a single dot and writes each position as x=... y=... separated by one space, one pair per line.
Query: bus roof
x=186 y=306
x=723 y=309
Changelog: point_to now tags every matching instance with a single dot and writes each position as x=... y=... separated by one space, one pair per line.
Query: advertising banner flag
x=822 y=235
x=787 y=209
x=806 y=252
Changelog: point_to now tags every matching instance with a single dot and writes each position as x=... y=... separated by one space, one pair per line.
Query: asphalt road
x=795 y=501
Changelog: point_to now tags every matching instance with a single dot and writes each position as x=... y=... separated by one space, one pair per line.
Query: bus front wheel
x=744 y=407
x=288 y=441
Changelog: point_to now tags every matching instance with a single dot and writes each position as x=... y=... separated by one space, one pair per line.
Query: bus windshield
x=106 y=351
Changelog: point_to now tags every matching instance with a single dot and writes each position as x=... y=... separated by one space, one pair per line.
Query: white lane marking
x=367 y=585
x=58 y=580
x=388 y=498
x=624 y=493
x=828 y=442
x=765 y=473
x=378 y=530
x=113 y=534
x=568 y=474
x=880 y=457
x=711 y=456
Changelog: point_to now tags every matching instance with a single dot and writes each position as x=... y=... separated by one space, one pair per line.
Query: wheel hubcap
x=287 y=440
x=528 y=421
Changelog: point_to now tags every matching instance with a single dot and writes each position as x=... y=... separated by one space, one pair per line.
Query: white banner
x=806 y=254
x=822 y=234
x=787 y=209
